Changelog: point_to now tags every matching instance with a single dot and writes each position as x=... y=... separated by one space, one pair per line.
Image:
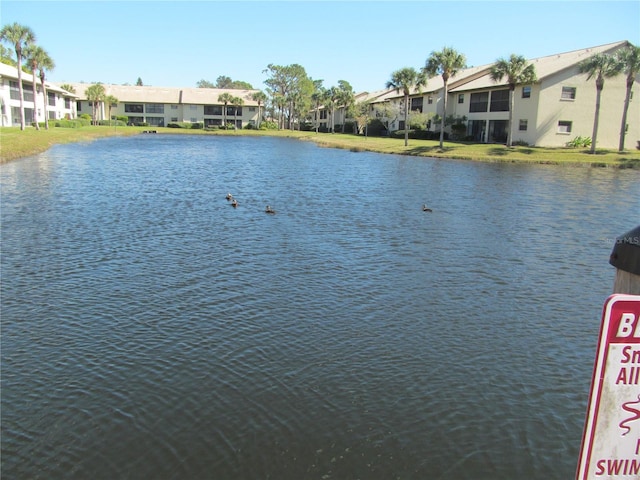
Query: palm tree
x=629 y=57
x=236 y=102
x=225 y=98
x=319 y=98
x=259 y=97
x=44 y=63
x=19 y=36
x=405 y=80
x=95 y=94
x=517 y=72
x=446 y=62
x=30 y=53
x=111 y=102
x=68 y=88
x=40 y=61
x=600 y=66
x=346 y=98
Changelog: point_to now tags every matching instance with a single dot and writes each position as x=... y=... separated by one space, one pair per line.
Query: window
x=323 y=114
x=51 y=98
x=523 y=125
x=155 y=121
x=416 y=104
x=67 y=103
x=430 y=100
x=499 y=101
x=461 y=98
x=174 y=107
x=479 y=102
x=564 y=126
x=212 y=110
x=526 y=92
x=133 y=108
x=79 y=106
x=155 y=108
x=194 y=120
x=174 y=119
x=252 y=109
x=568 y=93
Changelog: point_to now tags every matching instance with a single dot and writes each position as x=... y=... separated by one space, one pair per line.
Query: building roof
x=545 y=66
x=10 y=71
x=150 y=94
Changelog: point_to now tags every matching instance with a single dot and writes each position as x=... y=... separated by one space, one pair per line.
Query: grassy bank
x=16 y=144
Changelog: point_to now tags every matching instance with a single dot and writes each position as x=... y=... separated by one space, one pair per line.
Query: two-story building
x=59 y=103
x=550 y=112
x=159 y=106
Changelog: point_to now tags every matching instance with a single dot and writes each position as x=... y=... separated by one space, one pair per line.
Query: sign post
x=611 y=438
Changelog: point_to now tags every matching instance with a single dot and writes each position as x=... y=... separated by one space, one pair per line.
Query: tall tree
x=405 y=80
x=318 y=98
x=446 y=63
x=629 y=58
x=45 y=62
x=111 y=102
x=517 y=72
x=68 y=88
x=600 y=66
x=30 y=53
x=224 y=82
x=139 y=82
x=96 y=95
x=18 y=36
x=259 y=97
x=236 y=102
x=205 y=84
x=39 y=61
x=225 y=98
x=346 y=98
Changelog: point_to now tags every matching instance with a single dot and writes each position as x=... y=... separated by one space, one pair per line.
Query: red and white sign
x=611 y=439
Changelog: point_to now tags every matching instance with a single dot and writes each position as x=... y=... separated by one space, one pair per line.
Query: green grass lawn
x=15 y=144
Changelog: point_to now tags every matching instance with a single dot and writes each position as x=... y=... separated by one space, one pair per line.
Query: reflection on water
x=149 y=330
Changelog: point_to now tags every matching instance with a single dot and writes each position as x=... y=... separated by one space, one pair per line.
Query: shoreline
x=16 y=144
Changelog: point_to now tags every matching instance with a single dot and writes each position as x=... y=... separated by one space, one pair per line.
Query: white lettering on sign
x=626 y=327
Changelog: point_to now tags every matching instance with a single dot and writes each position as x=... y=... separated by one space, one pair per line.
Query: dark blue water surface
x=152 y=331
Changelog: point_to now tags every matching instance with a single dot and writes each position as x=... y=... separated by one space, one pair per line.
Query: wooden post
x=626 y=258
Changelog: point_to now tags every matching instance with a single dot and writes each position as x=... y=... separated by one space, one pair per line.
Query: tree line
x=291 y=94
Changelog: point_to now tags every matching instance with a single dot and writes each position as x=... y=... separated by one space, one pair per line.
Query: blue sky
x=178 y=43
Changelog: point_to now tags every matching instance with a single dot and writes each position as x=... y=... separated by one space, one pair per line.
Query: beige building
x=160 y=106
x=555 y=109
x=59 y=103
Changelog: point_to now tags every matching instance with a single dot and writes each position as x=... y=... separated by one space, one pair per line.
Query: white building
x=159 y=106
x=550 y=112
x=59 y=103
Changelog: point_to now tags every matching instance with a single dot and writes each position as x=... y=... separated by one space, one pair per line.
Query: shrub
x=520 y=143
x=579 y=142
x=376 y=128
x=268 y=125
x=68 y=123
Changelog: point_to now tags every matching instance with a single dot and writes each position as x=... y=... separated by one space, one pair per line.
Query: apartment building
x=59 y=103
x=550 y=112
x=159 y=106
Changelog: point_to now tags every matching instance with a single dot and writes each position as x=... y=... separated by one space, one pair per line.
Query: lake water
x=152 y=331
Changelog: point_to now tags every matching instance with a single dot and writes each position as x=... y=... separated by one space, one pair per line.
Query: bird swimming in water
x=268 y=209
x=234 y=203
x=229 y=196
x=426 y=209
